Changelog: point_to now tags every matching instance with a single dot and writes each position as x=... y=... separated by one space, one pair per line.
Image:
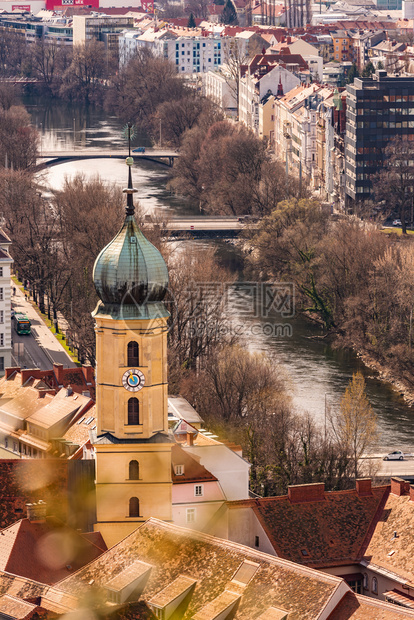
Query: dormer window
x=179 y=470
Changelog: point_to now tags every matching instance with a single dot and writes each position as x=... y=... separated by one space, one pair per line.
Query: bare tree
x=394 y=184
x=83 y=79
x=235 y=56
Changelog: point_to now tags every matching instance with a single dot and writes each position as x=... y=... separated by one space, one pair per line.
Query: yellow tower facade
x=132 y=443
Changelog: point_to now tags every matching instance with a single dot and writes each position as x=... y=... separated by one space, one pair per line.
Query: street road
x=393 y=468
x=41 y=348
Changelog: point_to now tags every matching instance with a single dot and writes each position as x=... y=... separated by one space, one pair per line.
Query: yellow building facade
x=132 y=443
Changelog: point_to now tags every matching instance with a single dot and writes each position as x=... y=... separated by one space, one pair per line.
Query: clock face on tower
x=133 y=380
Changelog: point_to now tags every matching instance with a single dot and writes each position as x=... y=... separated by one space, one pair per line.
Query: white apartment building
x=191 y=53
x=221 y=90
x=253 y=87
x=5 y=303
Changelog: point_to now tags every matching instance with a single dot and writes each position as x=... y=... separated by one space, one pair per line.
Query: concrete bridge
x=47 y=158
x=203 y=227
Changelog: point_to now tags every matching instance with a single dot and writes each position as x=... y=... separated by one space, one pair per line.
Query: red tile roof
x=391 y=546
x=47 y=551
x=193 y=470
x=28 y=480
x=354 y=607
x=327 y=531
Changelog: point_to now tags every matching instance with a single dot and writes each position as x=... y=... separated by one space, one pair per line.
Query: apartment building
x=377 y=110
x=102 y=28
x=191 y=50
x=297 y=117
x=5 y=303
x=221 y=88
x=341 y=44
x=264 y=75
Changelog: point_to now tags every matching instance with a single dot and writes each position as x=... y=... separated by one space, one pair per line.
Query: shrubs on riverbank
x=356 y=280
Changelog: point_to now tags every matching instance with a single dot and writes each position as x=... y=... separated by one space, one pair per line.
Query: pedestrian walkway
x=42 y=347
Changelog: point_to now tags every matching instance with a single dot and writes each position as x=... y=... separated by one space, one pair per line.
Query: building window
x=133 y=353
x=366 y=581
x=6 y=442
x=134 y=507
x=198 y=490
x=179 y=470
x=1 y=340
x=1 y=272
x=1 y=363
x=374 y=587
x=1 y=294
x=256 y=541
x=133 y=411
x=133 y=470
x=1 y=316
x=191 y=514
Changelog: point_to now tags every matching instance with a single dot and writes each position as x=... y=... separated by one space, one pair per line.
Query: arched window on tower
x=133 y=470
x=133 y=411
x=134 y=507
x=133 y=353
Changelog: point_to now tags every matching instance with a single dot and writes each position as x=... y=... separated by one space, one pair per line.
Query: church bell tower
x=132 y=443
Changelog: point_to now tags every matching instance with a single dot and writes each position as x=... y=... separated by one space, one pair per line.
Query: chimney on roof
x=190 y=438
x=58 y=370
x=69 y=390
x=306 y=493
x=11 y=371
x=36 y=512
x=88 y=373
x=399 y=486
x=363 y=486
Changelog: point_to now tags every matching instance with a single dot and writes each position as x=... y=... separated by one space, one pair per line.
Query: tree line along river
x=318 y=375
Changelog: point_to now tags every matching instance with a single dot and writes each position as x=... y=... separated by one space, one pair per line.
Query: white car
x=397 y=455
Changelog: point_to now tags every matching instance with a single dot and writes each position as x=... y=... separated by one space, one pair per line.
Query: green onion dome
x=130 y=270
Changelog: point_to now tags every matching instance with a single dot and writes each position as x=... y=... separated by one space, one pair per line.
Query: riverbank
x=384 y=374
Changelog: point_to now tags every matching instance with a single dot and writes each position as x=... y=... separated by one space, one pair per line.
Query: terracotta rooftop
x=319 y=529
x=392 y=544
x=59 y=408
x=34 y=549
x=175 y=551
x=354 y=607
x=193 y=471
x=15 y=607
x=80 y=379
x=78 y=433
x=28 y=480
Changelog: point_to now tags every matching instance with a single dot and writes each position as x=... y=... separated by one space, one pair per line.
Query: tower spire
x=129 y=191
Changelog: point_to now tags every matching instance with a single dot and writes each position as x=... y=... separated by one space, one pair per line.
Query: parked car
x=140 y=149
x=397 y=455
x=396 y=223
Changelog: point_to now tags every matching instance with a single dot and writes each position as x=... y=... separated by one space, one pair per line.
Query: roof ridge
x=374 y=521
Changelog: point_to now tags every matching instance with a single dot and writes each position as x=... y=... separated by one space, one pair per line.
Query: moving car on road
x=397 y=455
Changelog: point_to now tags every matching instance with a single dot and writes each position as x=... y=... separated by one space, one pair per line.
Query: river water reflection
x=318 y=374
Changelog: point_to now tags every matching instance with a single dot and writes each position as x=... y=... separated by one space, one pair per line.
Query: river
x=318 y=375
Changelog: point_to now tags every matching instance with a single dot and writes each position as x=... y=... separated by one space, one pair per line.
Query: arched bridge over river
x=47 y=158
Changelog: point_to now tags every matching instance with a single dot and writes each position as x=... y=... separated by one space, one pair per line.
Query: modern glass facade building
x=377 y=110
